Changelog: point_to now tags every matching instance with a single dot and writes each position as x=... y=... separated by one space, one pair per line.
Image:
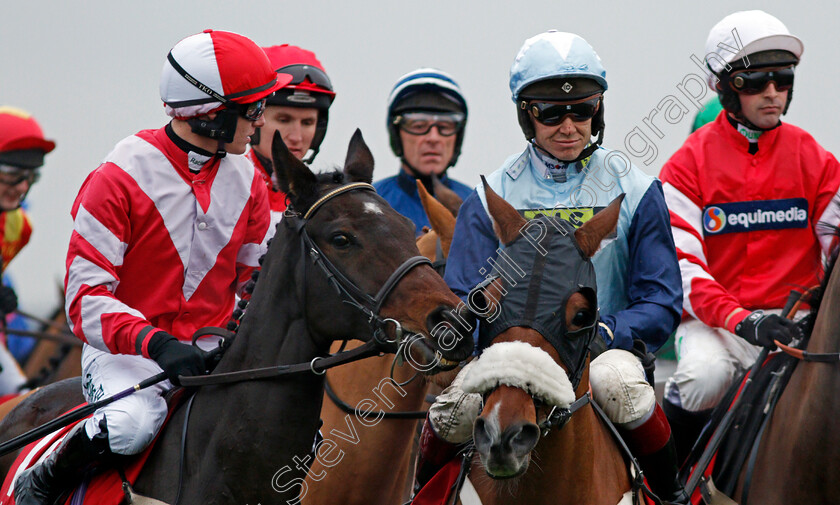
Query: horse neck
x=827 y=324
x=267 y=422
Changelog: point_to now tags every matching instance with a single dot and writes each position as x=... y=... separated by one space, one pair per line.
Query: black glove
x=176 y=358
x=8 y=300
x=648 y=359
x=762 y=329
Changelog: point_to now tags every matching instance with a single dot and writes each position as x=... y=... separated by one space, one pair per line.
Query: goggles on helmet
x=552 y=113
x=752 y=82
x=421 y=123
x=252 y=111
x=301 y=73
x=12 y=176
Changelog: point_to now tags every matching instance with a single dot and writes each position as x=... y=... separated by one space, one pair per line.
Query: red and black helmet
x=310 y=86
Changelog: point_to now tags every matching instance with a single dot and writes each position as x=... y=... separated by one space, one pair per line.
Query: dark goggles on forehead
x=12 y=176
x=552 y=113
x=252 y=111
x=302 y=73
x=752 y=82
x=421 y=123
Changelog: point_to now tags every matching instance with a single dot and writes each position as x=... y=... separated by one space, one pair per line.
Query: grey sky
x=89 y=72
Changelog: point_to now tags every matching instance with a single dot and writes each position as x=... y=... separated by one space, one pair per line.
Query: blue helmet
x=425 y=89
x=557 y=66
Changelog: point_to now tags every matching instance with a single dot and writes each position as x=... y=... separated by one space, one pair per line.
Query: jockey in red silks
x=167 y=230
x=299 y=111
x=746 y=194
x=22 y=150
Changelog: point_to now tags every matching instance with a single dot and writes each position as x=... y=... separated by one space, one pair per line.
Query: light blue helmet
x=555 y=55
x=557 y=66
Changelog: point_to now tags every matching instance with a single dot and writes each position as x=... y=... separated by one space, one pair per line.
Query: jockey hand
x=176 y=358
x=8 y=300
x=762 y=329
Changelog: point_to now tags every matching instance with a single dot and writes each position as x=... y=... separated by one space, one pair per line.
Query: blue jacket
x=400 y=191
x=639 y=284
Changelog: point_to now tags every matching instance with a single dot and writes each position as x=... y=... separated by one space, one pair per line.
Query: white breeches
x=132 y=421
x=708 y=361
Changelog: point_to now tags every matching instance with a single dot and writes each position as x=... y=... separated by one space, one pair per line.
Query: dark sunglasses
x=301 y=73
x=421 y=123
x=12 y=176
x=752 y=82
x=253 y=111
x=552 y=113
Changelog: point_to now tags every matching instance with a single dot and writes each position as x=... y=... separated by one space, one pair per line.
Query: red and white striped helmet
x=228 y=63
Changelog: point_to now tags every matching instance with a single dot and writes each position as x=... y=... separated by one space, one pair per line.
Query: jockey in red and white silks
x=130 y=220
x=747 y=231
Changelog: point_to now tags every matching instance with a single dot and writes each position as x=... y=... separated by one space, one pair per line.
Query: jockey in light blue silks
x=557 y=83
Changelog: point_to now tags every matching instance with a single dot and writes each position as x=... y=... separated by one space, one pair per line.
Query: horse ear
x=293 y=176
x=590 y=235
x=358 y=167
x=506 y=220
x=441 y=219
x=446 y=196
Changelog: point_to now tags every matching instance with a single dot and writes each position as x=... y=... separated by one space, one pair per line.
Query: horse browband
x=337 y=191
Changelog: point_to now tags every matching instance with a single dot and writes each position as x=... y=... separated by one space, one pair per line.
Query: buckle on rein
x=559 y=416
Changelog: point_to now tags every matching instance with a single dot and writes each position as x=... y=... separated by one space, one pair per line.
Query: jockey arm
x=473 y=243
x=654 y=286
x=97 y=247
x=654 y=283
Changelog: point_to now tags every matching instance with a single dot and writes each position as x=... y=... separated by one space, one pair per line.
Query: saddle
x=104 y=485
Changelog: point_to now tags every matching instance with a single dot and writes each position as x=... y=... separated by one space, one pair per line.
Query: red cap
x=20 y=131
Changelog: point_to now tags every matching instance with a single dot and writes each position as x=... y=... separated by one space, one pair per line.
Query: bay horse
x=341 y=257
x=390 y=442
x=523 y=374
x=799 y=451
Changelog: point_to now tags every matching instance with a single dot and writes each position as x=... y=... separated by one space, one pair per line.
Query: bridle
x=351 y=293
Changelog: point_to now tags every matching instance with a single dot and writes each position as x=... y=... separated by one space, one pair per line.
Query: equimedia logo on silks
x=757 y=215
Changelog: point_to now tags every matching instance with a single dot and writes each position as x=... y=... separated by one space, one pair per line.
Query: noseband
x=344 y=287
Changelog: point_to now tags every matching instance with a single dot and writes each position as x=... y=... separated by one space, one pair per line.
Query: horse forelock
x=523 y=366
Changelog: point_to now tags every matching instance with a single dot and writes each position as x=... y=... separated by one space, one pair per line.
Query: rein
x=317 y=366
x=349 y=409
x=800 y=354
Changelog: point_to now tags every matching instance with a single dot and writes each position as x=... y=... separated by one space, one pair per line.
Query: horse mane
x=815 y=298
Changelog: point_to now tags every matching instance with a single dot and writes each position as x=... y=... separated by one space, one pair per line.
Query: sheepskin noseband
x=522 y=366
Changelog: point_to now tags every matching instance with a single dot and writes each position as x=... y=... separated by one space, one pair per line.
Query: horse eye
x=583 y=318
x=340 y=240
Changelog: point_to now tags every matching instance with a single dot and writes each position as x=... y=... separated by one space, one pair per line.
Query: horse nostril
x=481 y=437
x=446 y=330
x=522 y=438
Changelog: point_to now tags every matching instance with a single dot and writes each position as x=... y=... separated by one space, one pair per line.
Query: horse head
x=540 y=317
x=367 y=278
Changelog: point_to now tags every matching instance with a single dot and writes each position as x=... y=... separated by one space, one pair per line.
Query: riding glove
x=176 y=358
x=8 y=300
x=762 y=329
